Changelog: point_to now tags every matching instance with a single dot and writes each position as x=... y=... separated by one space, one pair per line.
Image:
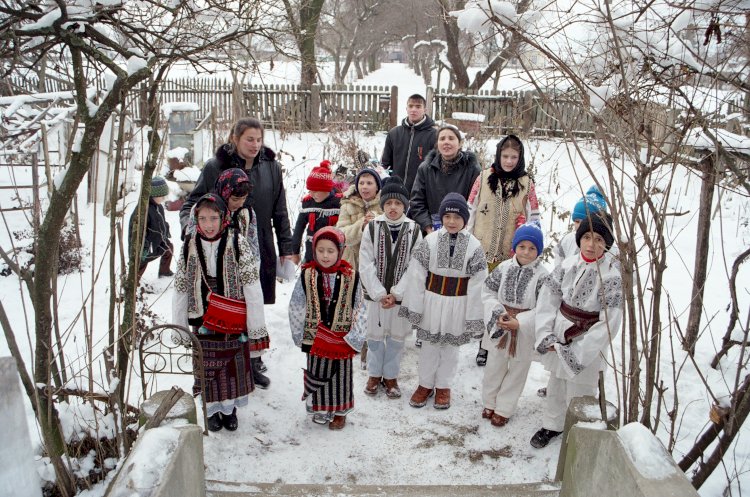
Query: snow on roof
x=469 y=116
x=697 y=138
x=646 y=453
x=168 y=108
x=177 y=153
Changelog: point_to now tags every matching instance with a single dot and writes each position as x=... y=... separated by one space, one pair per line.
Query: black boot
x=261 y=365
x=481 y=356
x=230 y=420
x=261 y=381
x=215 y=422
x=543 y=437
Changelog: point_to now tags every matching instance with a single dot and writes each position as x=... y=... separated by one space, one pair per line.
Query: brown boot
x=420 y=396
x=442 y=398
x=498 y=420
x=372 y=385
x=392 y=391
x=337 y=423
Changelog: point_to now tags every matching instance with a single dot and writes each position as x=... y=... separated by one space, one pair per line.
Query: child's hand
x=368 y=217
x=388 y=301
x=508 y=323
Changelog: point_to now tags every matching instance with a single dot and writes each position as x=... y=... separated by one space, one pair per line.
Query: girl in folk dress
x=233 y=186
x=386 y=248
x=510 y=296
x=579 y=313
x=217 y=259
x=327 y=321
x=443 y=299
x=502 y=198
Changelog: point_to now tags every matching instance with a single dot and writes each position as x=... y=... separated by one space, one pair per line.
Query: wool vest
x=337 y=316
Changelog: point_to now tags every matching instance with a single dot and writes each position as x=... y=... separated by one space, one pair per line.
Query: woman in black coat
x=446 y=169
x=246 y=151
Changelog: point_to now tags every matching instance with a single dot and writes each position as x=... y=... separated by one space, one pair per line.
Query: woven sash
x=512 y=312
x=582 y=321
x=446 y=285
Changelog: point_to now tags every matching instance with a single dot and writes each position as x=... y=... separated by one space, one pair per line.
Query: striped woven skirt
x=329 y=382
x=229 y=375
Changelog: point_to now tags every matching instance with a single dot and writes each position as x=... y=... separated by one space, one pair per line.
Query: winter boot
x=392 y=391
x=498 y=420
x=230 y=420
x=372 y=385
x=487 y=413
x=420 y=396
x=262 y=365
x=261 y=381
x=215 y=422
x=442 y=398
x=543 y=437
x=481 y=356
x=337 y=423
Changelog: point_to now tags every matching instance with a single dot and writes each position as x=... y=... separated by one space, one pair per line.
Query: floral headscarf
x=220 y=204
x=228 y=182
x=336 y=236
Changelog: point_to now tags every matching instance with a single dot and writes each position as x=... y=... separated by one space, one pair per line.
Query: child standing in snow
x=233 y=186
x=510 y=296
x=591 y=203
x=217 y=260
x=326 y=321
x=156 y=244
x=503 y=198
x=579 y=313
x=386 y=248
x=443 y=299
x=320 y=208
x=360 y=205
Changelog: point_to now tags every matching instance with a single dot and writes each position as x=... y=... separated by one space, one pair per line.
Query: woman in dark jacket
x=246 y=151
x=446 y=169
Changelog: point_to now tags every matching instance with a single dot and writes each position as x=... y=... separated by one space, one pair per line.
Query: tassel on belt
x=512 y=312
x=582 y=321
x=446 y=285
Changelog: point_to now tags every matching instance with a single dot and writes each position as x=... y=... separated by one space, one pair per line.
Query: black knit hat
x=371 y=172
x=455 y=203
x=600 y=223
x=393 y=187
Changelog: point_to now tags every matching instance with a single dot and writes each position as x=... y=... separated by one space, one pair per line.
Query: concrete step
x=231 y=489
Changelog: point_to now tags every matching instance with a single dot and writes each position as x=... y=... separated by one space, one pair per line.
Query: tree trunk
x=452 y=33
x=701 y=253
x=309 y=16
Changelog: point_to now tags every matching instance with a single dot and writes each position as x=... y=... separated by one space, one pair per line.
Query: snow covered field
x=386 y=441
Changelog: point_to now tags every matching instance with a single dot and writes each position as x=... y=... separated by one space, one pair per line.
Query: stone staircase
x=230 y=489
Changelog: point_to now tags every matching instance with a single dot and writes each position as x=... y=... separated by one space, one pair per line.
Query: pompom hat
x=320 y=178
x=455 y=203
x=393 y=187
x=531 y=232
x=593 y=201
x=159 y=187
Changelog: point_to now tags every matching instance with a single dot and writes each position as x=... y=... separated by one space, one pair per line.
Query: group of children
x=370 y=277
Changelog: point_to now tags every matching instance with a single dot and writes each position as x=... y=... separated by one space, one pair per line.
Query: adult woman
x=246 y=151
x=446 y=169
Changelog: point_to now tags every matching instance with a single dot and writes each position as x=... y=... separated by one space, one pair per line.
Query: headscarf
x=336 y=236
x=224 y=213
x=228 y=182
x=507 y=180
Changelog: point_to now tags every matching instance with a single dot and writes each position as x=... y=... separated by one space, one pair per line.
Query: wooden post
x=315 y=108
x=393 y=110
x=701 y=252
x=429 y=97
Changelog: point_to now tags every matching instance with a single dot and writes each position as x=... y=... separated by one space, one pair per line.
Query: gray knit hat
x=159 y=187
x=393 y=187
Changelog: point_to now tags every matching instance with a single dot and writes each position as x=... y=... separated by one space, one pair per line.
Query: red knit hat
x=320 y=178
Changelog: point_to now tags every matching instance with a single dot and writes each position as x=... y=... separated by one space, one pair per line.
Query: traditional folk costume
x=442 y=298
x=327 y=321
x=500 y=202
x=513 y=289
x=316 y=215
x=224 y=265
x=580 y=311
x=384 y=255
x=353 y=211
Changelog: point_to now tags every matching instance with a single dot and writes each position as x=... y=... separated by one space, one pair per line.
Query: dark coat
x=406 y=146
x=156 y=239
x=270 y=211
x=432 y=184
x=314 y=216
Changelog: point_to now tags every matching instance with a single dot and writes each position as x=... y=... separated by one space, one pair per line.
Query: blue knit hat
x=593 y=200
x=159 y=187
x=455 y=203
x=531 y=232
x=371 y=172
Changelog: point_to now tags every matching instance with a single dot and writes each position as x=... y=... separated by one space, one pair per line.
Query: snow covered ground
x=387 y=441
